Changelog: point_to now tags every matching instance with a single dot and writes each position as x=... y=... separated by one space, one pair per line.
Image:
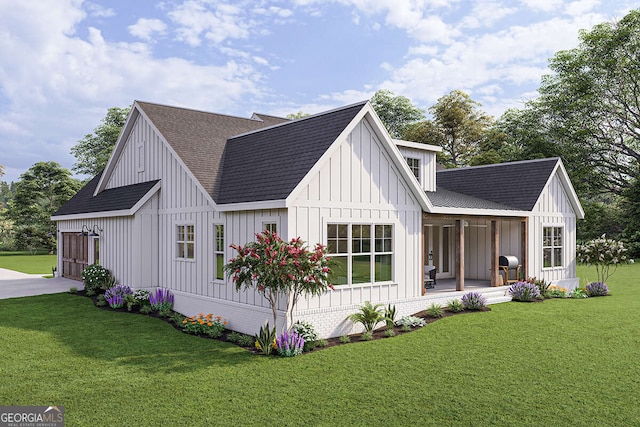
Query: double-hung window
x=552 y=247
x=361 y=253
x=185 y=240
x=219 y=251
x=414 y=166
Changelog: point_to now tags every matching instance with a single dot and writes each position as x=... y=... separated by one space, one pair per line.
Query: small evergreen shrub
x=115 y=295
x=405 y=328
x=389 y=333
x=100 y=301
x=455 y=306
x=345 y=339
x=597 y=289
x=73 y=290
x=146 y=309
x=366 y=336
x=246 y=340
x=524 y=291
x=410 y=322
x=322 y=343
x=130 y=301
x=234 y=337
x=474 y=301
x=434 y=310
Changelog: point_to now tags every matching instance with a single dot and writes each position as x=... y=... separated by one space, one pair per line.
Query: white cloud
x=486 y=14
x=146 y=29
x=215 y=21
x=543 y=5
x=577 y=8
x=98 y=10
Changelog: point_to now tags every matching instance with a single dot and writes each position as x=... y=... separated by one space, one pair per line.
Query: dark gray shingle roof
x=199 y=137
x=450 y=199
x=113 y=199
x=516 y=184
x=268 y=164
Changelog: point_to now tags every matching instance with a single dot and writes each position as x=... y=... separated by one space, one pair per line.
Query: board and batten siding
x=477 y=242
x=427 y=166
x=359 y=183
x=553 y=209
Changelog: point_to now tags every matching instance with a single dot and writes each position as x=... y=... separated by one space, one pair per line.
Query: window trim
x=349 y=255
x=553 y=247
x=415 y=169
x=267 y=223
x=179 y=255
x=217 y=251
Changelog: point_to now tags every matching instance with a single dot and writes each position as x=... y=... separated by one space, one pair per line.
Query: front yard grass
x=560 y=362
x=27 y=263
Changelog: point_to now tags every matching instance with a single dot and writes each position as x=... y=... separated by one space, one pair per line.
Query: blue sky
x=63 y=63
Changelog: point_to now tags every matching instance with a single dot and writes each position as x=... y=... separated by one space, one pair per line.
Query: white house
x=182 y=185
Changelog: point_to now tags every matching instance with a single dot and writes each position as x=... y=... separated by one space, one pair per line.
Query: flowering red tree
x=278 y=268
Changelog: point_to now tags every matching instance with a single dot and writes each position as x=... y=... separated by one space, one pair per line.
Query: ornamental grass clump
x=289 y=344
x=524 y=291
x=161 y=300
x=597 y=289
x=204 y=325
x=115 y=296
x=474 y=301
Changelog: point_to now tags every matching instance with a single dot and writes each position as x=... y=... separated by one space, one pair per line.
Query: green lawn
x=560 y=362
x=27 y=263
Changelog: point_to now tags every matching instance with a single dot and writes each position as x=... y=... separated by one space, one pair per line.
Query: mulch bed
x=379 y=333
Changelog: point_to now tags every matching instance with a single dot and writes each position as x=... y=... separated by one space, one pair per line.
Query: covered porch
x=465 y=250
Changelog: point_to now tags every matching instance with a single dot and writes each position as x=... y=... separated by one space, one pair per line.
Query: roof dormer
x=421 y=159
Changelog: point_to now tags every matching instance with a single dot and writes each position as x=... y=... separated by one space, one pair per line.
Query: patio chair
x=429 y=277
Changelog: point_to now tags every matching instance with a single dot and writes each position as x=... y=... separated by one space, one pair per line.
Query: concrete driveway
x=14 y=284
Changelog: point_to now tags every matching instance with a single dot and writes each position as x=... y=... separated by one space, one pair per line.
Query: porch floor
x=449 y=285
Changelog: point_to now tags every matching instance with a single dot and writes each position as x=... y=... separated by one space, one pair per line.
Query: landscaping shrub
x=345 y=339
x=474 y=301
x=389 y=332
x=578 y=293
x=524 y=291
x=146 y=309
x=115 y=295
x=73 y=290
x=455 y=306
x=204 y=325
x=541 y=284
x=369 y=315
x=266 y=339
x=95 y=277
x=597 y=289
x=390 y=316
x=142 y=296
x=100 y=301
x=411 y=322
x=246 y=340
x=308 y=332
x=289 y=344
x=434 y=310
x=556 y=292
x=161 y=300
x=130 y=301
x=366 y=336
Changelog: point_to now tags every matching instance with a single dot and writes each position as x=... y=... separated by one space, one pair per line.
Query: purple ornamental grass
x=161 y=299
x=524 y=291
x=290 y=343
x=597 y=289
x=115 y=295
x=474 y=301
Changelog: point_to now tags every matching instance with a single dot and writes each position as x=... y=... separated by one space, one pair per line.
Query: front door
x=438 y=249
x=75 y=255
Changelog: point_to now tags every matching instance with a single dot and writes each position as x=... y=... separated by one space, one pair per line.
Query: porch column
x=459 y=255
x=422 y=258
x=524 y=249
x=495 y=249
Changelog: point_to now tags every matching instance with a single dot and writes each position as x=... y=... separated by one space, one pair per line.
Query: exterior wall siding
x=553 y=209
x=359 y=184
x=427 y=166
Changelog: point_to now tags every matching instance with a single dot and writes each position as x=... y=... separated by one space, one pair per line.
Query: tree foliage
x=92 y=152
x=280 y=269
x=40 y=192
x=298 y=115
x=458 y=126
x=396 y=111
x=591 y=102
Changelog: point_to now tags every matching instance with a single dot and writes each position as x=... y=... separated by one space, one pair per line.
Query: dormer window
x=414 y=165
